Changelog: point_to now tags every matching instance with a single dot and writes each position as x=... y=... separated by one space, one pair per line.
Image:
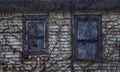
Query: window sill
x=88 y=61
x=26 y=55
x=36 y=52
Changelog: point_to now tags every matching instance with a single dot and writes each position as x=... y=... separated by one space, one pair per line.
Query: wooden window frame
x=24 y=32
x=99 y=56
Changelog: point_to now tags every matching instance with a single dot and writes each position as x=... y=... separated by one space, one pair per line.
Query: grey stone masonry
x=60 y=50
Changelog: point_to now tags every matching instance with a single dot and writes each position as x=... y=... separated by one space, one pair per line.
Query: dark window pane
x=86 y=51
x=36 y=44
x=36 y=35
x=31 y=30
x=35 y=29
x=40 y=28
x=87 y=30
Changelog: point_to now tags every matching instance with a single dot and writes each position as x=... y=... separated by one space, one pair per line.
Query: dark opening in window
x=35 y=34
x=88 y=37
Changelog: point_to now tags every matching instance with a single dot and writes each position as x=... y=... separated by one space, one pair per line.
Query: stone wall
x=60 y=50
x=59 y=41
x=10 y=41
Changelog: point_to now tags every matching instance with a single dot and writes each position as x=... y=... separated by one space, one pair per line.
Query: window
x=88 y=37
x=35 y=34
